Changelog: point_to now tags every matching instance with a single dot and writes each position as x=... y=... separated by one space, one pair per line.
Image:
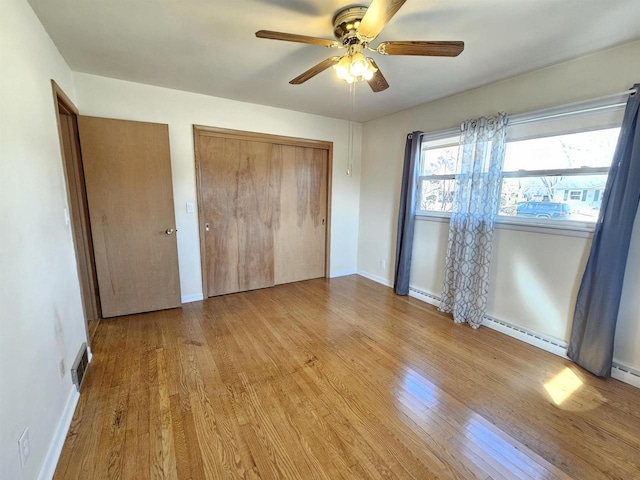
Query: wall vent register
x=80 y=365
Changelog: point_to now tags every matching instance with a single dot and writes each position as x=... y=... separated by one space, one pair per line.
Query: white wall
x=534 y=276
x=41 y=312
x=106 y=97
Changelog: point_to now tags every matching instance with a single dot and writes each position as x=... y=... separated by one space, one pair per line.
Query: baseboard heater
x=547 y=343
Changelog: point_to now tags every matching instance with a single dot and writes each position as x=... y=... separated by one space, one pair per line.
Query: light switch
x=191 y=207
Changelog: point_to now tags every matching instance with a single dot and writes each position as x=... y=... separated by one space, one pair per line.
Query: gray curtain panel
x=476 y=201
x=407 y=213
x=596 y=313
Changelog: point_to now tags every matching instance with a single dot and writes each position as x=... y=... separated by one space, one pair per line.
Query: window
x=555 y=168
x=559 y=174
x=575 y=194
x=438 y=168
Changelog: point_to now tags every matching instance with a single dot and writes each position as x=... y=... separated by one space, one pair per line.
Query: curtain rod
x=561 y=110
x=631 y=91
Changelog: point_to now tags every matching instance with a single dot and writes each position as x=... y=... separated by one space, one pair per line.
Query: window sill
x=434 y=216
x=547 y=227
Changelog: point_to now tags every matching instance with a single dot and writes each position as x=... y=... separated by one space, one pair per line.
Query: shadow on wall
x=429 y=255
x=542 y=285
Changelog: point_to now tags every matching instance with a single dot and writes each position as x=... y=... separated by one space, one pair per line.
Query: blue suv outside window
x=554 y=210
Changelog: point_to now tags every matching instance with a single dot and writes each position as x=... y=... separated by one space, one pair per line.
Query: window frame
x=540 y=225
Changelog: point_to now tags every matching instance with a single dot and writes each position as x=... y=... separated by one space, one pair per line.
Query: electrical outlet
x=25 y=447
x=383 y=264
x=63 y=368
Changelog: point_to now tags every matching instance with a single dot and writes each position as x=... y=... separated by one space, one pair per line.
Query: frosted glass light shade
x=342 y=68
x=359 y=65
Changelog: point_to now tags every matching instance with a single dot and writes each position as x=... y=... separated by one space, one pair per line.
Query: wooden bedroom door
x=127 y=168
x=263 y=209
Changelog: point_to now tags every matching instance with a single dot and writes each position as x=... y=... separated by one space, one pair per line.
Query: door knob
x=169 y=231
x=206 y=227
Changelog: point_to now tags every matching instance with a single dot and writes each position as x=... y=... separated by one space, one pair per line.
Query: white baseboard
x=537 y=339
x=424 y=296
x=625 y=374
x=196 y=297
x=375 y=278
x=55 y=447
x=545 y=342
x=52 y=457
x=342 y=273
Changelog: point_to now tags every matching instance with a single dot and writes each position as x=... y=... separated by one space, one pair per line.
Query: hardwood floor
x=338 y=379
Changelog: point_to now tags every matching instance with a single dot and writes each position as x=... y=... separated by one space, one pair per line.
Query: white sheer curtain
x=476 y=201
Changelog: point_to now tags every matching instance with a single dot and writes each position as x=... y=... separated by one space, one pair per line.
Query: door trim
x=59 y=97
x=204 y=131
x=63 y=104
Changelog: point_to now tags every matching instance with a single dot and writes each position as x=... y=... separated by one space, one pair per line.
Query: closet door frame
x=201 y=130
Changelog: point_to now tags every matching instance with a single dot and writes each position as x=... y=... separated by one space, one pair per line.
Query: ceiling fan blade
x=315 y=70
x=292 y=37
x=378 y=15
x=429 y=49
x=378 y=83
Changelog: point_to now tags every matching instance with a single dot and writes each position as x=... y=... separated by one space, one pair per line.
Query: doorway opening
x=78 y=214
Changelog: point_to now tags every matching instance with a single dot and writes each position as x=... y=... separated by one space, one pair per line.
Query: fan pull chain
x=352 y=102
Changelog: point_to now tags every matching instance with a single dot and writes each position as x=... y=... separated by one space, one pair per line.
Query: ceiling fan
x=355 y=28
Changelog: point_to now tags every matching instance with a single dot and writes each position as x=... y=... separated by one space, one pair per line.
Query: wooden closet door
x=127 y=168
x=300 y=210
x=236 y=212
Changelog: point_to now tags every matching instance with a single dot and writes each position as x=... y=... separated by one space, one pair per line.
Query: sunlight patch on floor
x=562 y=386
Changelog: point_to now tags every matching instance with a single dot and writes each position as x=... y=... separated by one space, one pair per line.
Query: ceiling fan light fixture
x=368 y=75
x=359 y=65
x=342 y=67
x=355 y=68
x=355 y=28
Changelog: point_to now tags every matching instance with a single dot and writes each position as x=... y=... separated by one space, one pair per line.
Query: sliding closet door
x=263 y=209
x=299 y=222
x=236 y=213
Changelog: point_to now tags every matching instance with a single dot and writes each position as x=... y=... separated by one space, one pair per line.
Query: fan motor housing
x=345 y=18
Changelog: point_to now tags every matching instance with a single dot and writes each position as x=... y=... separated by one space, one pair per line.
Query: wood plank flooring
x=335 y=379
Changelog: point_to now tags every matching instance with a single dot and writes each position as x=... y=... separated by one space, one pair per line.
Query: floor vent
x=80 y=365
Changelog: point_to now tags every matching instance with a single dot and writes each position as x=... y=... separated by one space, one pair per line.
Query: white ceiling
x=209 y=46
